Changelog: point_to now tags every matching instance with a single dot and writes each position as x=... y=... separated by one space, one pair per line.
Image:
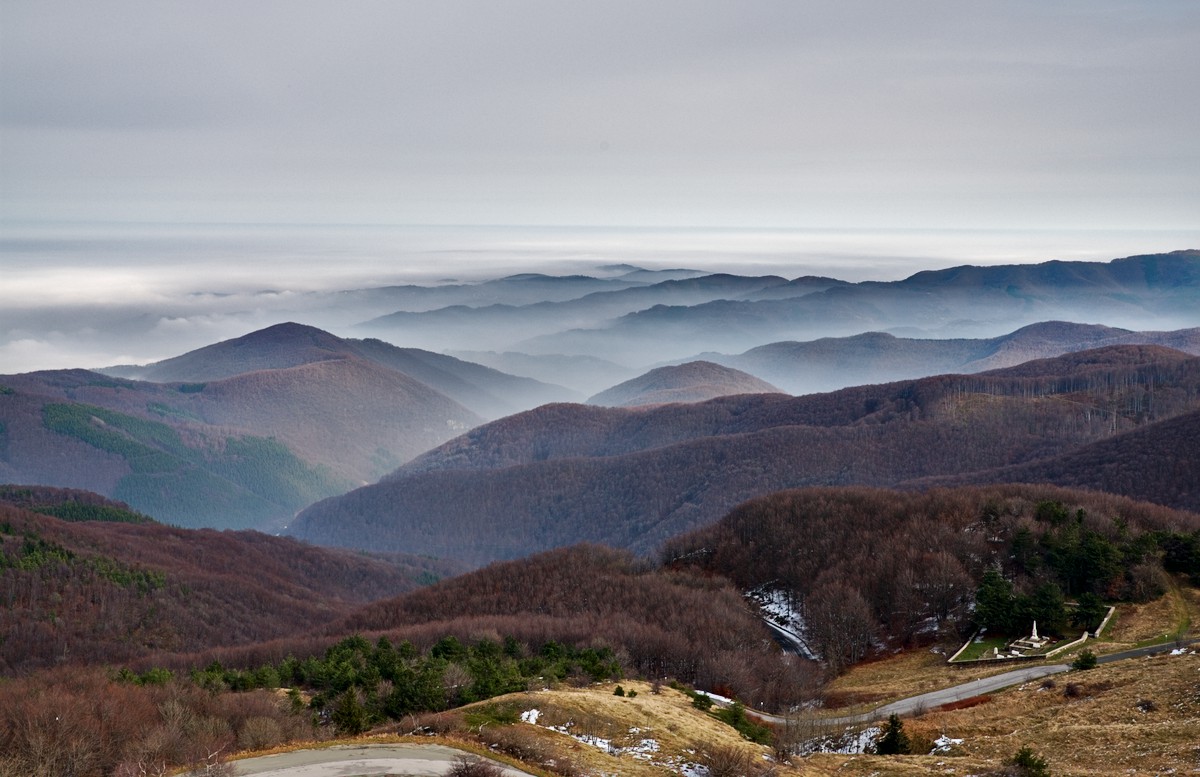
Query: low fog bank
x=93 y=296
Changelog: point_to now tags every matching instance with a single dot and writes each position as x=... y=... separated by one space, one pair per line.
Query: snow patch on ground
x=849 y=742
x=781 y=614
x=943 y=744
x=588 y=739
x=645 y=749
x=778 y=604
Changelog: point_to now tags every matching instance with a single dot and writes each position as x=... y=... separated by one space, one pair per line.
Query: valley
x=541 y=518
x=697 y=388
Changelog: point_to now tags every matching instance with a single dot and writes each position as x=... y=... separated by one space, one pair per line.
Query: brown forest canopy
x=93 y=591
x=915 y=559
x=659 y=622
x=667 y=623
x=563 y=474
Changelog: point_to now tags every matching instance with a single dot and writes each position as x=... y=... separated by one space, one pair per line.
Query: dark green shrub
x=1085 y=660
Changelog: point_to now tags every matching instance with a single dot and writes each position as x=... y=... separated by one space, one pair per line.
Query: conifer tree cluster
x=357 y=684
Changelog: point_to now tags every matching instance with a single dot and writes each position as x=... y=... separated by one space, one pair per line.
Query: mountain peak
x=276 y=347
x=288 y=329
x=694 y=381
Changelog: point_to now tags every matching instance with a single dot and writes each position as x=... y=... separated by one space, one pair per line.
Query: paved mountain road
x=359 y=761
x=929 y=701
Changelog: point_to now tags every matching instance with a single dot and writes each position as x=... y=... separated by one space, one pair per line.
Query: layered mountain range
x=249 y=431
x=633 y=477
x=831 y=363
x=672 y=320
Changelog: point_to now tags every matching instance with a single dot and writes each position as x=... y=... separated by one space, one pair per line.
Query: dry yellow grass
x=680 y=732
x=1140 y=623
x=1135 y=623
x=1102 y=731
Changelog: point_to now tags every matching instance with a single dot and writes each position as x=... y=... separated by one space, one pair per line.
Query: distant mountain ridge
x=877 y=357
x=258 y=428
x=1151 y=291
x=520 y=289
x=689 y=382
x=562 y=473
x=489 y=393
x=496 y=325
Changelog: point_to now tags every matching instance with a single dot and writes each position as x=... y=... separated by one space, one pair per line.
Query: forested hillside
x=484 y=391
x=246 y=451
x=650 y=622
x=632 y=478
x=586 y=613
x=862 y=564
x=97 y=591
x=70 y=504
x=1126 y=385
x=1159 y=462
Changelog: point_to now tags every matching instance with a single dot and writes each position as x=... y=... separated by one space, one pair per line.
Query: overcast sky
x=846 y=114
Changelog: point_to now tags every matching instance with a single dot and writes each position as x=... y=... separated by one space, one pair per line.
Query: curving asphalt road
x=359 y=761
x=929 y=701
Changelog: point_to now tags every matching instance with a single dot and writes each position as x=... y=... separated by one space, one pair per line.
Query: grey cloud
x=550 y=111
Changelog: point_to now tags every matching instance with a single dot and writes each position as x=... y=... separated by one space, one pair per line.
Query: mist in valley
x=617 y=303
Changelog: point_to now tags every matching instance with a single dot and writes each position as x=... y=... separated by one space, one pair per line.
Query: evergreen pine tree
x=1030 y=764
x=1089 y=612
x=349 y=714
x=1049 y=609
x=994 y=602
x=894 y=741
